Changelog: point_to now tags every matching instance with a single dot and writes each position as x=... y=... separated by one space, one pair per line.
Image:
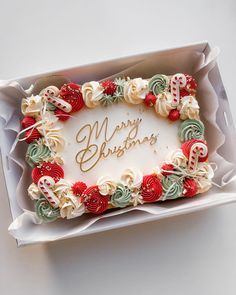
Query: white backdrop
x=191 y=254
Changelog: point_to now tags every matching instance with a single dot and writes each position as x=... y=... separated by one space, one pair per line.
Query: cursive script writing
x=93 y=152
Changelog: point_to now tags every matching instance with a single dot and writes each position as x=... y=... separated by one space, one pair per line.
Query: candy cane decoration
x=177 y=81
x=50 y=94
x=198 y=150
x=45 y=185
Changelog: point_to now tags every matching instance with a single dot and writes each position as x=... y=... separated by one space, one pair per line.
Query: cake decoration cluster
x=185 y=173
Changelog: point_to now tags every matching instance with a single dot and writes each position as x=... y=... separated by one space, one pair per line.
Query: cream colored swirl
x=189 y=108
x=178 y=158
x=51 y=131
x=33 y=192
x=132 y=179
x=135 y=90
x=92 y=92
x=163 y=104
x=62 y=188
x=31 y=106
x=71 y=207
x=203 y=176
x=106 y=185
x=136 y=198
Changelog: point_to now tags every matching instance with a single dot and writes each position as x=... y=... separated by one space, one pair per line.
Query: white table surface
x=191 y=254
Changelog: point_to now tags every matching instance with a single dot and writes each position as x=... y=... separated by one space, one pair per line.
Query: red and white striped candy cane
x=198 y=151
x=45 y=185
x=177 y=81
x=50 y=93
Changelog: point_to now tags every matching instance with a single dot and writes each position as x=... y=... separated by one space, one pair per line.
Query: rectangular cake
x=137 y=134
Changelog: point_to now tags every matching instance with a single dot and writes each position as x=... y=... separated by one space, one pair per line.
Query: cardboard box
x=198 y=60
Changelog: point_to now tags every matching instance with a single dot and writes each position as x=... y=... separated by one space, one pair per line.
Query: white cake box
x=198 y=60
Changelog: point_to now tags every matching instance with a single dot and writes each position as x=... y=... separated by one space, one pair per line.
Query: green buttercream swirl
x=106 y=100
x=45 y=211
x=119 y=93
x=158 y=84
x=121 y=196
x=191 y=129
x=172 y=187
x=37 y=152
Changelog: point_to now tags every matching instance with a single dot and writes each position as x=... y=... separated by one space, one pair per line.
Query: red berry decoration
x=168 y=169
x=61 y=115
x=190 y=88
x=71 y=93
x=190 y=187
x=174 y=115
x=151 y=189
x=150 y=99
x=27 y=122
x=47 y=169
x=31 y=135
x=186 y=147
x=109 y=87
x=94 y=202
x=78 y=188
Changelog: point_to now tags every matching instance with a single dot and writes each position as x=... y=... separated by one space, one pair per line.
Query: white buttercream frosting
x=106 y=185
x=163 y=104
x=31 y=106
x=135 y=90
x=34 y=192
x=189 y=108
x=132 y=178
x=178 y=158
x=92 y=92
x=204 y=175
x=71 y=207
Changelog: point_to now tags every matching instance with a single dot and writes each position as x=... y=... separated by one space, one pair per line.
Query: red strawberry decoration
x=27 y=122
x=186 y=147
x=174 y=115
x=168 y=169
x=71 y=93
x=109 y=87
x=190 y=187
x=151 y=189
x=150 y=99
x=31 y=135
x=94 y=202
x=61 y=115
x=78 y=188
x=47 y=169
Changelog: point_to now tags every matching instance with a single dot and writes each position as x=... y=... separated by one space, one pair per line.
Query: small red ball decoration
x=27 y=122
x=186 y=147
x=71 y=93
x=151 y=189
x=47 y=169
x=150 y=99
x=31 y=135
x=78 y=188
x=174 y=115
x=61 y=115
x=93 y=201
x=190 y=187
x=168 y=169
x=109 y=87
